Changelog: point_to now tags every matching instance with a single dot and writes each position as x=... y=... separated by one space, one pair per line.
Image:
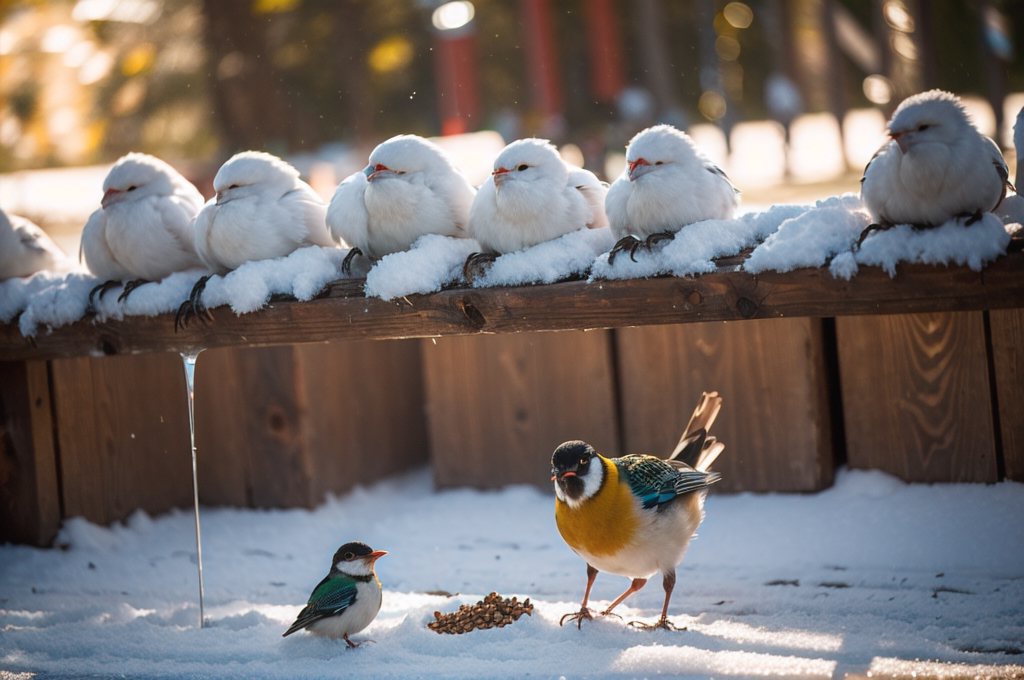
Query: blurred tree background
x=84 y=81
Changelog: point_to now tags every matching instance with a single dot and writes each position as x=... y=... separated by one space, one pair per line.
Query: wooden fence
x=921 y=375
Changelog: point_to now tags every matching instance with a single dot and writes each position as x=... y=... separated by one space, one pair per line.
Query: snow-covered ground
x=872 y=576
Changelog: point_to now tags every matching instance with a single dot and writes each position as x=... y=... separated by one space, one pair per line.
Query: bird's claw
x=353 y=645
x=628 y=242
x=346 y=264
x=477 y=264
x=102 y=289
x=578 y=617
x=663 y=623
x=129 y=286
x=193 y=307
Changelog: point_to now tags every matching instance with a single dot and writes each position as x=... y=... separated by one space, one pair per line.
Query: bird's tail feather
x=695 y=447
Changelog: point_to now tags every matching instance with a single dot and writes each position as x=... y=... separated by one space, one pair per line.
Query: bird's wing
x=715 y=170
x=1001 y=169
x=594 y=191
x=655 y=481
x=331 y=597
x=305 y=204
x=347 y=218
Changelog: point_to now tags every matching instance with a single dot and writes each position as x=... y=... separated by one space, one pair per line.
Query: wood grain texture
x=916 y=396
x=366 y=420
x=1007 y=328
x=498 y=406
x=344 y=313
x=29 y=493
x=775 y=421
x=123 y=435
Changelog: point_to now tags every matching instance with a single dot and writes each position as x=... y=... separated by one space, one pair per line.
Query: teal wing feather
x=331 y=597
x=655 y=481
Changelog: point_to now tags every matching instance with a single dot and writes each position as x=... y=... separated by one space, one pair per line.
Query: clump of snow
x=694 y=246
x=951 y=243
x=551 y=261
x=810 y=239
x=433 y=262
x=50 y=301
x=871 y=575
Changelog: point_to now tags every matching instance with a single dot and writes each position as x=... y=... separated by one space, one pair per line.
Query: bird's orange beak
x=638 y=168
x=376 y=555
x=567 y=473
x=500 y=174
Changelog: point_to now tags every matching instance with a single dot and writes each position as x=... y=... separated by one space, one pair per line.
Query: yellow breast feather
x=604 y=523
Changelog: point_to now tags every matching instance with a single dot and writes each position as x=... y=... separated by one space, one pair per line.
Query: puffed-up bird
x=347 y=599
x=533 y=196
x=143 y=229
x=668 y=183
x=634 y=516
x=411 y=187
x=26 y=249
x=936 y=166
x=262 y=210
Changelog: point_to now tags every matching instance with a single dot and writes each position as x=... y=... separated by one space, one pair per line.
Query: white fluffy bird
x=262 y=210
x=531 y=197
x=143 y=229
x=410 y=188
x=26 y=249
x=668 y=183
x=936 y=167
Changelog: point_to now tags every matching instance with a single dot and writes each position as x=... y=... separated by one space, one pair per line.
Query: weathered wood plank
x=29 y=493
x=499 y=405
x=123 y=435
x=365 y=417
x=345 y=314
x=1007 y=328
x=775 y=419
x=916 y=396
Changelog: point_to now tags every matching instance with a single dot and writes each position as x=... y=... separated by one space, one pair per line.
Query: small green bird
x=348 y=598
x=634 y=516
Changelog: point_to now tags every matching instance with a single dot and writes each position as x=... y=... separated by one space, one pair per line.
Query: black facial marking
x=351 y=551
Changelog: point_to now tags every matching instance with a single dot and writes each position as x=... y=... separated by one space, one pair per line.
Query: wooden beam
x=344 y=313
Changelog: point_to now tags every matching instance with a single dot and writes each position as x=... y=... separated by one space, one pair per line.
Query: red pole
x=542 y=59
x=456 y=74
x=604 y=46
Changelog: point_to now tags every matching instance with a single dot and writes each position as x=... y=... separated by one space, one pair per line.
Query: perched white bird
x=262 y=210
x=26 y=249
x=1011 y=210
x=531 y=197
x=143 y=229
x=668 y=183
x=936 y=167
x=410 y=188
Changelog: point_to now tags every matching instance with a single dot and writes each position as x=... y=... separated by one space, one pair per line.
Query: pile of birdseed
x=491 y=612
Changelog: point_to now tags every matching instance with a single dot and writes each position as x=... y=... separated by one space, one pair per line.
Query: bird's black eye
x=659 y=162
x=349 y=556
x=132 y=188
x=233 y=186
x=521 y=167
x=584 y=459
x=923 y=127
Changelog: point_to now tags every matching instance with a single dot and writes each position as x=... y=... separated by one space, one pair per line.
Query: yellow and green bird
x=634 y=516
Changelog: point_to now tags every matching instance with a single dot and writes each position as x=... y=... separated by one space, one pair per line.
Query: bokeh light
x=452 y=15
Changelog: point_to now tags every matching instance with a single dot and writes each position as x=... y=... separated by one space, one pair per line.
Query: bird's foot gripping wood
x=476 y=265
x=578 y=617
x=658 y=237
x=663 y=623
x=193 y=306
